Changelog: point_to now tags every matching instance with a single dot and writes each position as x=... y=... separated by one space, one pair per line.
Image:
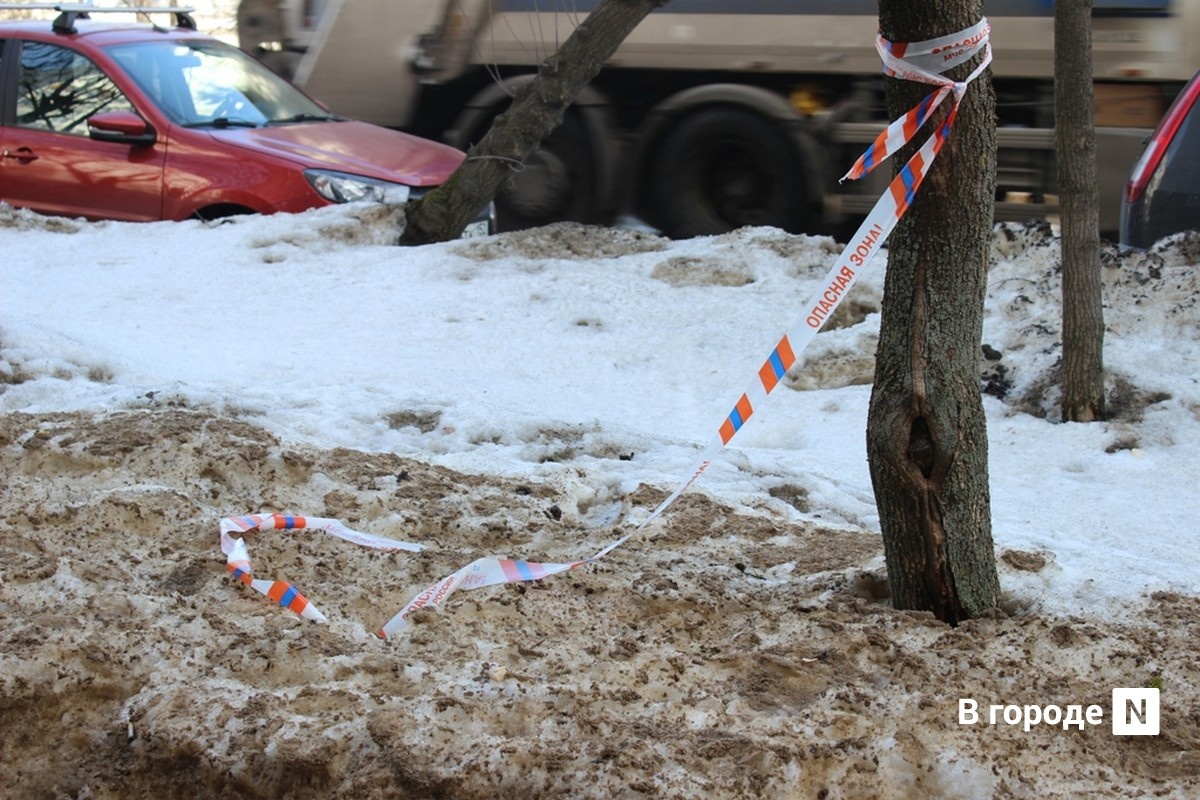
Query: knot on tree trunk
x=920 y=446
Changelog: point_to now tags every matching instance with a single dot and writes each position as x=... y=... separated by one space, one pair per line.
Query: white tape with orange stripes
x=237 y=557
x=921 y=61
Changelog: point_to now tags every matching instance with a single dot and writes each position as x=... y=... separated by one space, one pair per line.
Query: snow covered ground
x=511 y=352
x=533 y=395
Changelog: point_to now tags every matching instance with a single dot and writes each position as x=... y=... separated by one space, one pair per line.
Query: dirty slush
x=136 y=668
x=682 y=666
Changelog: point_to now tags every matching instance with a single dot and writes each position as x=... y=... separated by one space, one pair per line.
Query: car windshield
x=201 y=83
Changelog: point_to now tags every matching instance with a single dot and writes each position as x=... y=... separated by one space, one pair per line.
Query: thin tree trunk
x=1075 y=145
x=926 y=431
x=537 y=109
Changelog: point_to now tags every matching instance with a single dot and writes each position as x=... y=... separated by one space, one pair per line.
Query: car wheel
x=724 y=168
x=221 y=213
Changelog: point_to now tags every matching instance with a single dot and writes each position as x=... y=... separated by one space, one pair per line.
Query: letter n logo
x=1135 y=712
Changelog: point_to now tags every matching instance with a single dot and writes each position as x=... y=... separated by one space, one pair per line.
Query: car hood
x=351 y=146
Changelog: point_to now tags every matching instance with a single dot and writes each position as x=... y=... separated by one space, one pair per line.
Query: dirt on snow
x=134 y=667
x=727 y=655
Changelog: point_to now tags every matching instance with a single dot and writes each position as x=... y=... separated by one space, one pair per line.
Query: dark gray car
x=1163 y=193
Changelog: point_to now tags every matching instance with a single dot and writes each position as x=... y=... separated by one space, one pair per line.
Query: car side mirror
x=121 y=127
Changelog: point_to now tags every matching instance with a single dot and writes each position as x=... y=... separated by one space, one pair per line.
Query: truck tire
x=724 y=168
x=557 y=183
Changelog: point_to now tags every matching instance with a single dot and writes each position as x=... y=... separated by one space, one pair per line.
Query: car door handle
x=20 y=154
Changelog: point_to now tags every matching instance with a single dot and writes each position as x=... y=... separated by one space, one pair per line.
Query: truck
x=715 y=114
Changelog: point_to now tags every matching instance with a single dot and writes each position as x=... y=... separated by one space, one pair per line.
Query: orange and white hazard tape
x=921 y=61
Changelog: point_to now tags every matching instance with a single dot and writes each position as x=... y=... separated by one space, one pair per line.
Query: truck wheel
x=557 y=183
x=725 y=168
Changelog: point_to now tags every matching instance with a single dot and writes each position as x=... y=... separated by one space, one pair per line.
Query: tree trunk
x=926 y=431
x=537 y=109
x=1075 y=145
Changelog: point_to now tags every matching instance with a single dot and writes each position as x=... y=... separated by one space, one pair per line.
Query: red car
x=140 y=122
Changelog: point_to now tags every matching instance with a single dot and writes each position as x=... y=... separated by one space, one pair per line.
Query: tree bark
x=926 y=431
x=537 y=109
x=1075 y=145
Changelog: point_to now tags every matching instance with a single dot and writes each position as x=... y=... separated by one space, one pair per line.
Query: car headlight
x=342 y=187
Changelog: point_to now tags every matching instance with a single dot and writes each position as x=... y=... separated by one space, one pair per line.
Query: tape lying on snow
x=237 y=557
x=921 y=61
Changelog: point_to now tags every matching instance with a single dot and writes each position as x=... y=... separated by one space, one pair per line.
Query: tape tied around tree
x=923 y=62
